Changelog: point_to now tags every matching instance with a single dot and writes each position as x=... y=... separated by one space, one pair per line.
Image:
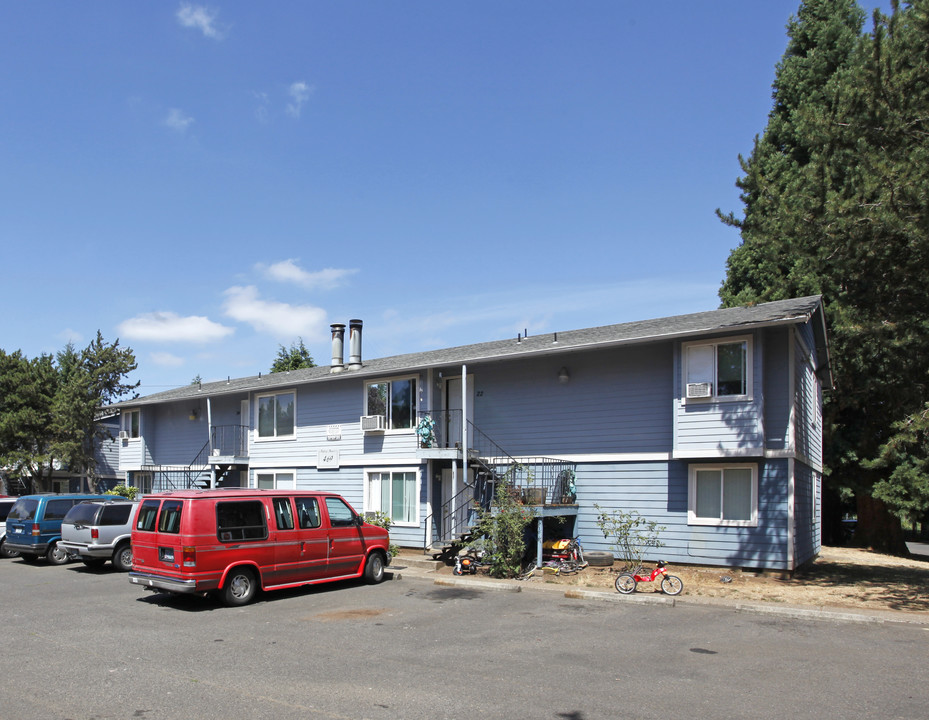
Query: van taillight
x=35 y=529
x=189 y=557
x=94 y=533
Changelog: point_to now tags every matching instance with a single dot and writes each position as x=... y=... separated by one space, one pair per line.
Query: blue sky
x=209 y=182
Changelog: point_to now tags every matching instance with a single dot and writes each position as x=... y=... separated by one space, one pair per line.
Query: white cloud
x=261 y=112
x=170 y=327
x=178 y=120
x=199 y=18
x=166 y=359
x=71 y=336
x=278 y=319
x=288 y=271
x=299 y=93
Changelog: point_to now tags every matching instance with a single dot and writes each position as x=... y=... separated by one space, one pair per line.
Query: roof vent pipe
x=354 y=344
x=338 y=347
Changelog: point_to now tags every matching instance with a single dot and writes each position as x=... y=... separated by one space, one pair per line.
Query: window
x=395 y=400
x=241 y=520
x=130 y=423
x=148 y=513
x=340 y=514
x=307 y=513
x=169 y=521
x=720 y=369
x=276 y=415
x=394 y=493
x=284 y=514
x=272 y=480
x=723 y=495
x=57 y=509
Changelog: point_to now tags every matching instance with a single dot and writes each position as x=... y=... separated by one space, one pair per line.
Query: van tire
x=374 y=568
x=122 y=558
x=5 y=552
x=240 y=588
x=56 y=554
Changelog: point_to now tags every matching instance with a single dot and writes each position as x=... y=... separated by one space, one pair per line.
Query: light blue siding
x=722 y=425
x=615 y=401
x=776 y=388
x=658 y=491
x=807 y=513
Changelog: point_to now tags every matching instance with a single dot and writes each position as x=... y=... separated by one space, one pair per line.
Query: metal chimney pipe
x=354 y=344
x=338 y=347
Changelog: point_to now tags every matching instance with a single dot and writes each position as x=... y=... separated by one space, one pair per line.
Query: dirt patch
x=838 y=578
x=362 y=614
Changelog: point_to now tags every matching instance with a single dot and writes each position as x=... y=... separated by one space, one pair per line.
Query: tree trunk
x=878 y=529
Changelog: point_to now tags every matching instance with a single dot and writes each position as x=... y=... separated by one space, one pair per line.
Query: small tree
x=631 y=534
x=382 y=519
x=504 y=526
x=126 y=491
x=295 y=357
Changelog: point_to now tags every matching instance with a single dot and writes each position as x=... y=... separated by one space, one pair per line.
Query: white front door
x=453 y=405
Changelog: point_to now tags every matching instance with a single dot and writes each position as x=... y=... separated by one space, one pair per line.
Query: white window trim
x=274 y=438
x=692 y=518
x=126 y=424
x=714 y=398
x=275 y=472
x=366 y=499
x=414 y=409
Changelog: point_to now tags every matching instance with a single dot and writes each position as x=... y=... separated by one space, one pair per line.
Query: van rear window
x=241 y=520
x=148 y=513
x=169 y=521
x=24 y=509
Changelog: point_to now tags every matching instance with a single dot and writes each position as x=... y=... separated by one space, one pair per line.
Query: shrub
x=631 y=534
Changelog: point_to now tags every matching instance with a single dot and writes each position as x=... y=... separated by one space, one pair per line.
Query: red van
x=233 y=541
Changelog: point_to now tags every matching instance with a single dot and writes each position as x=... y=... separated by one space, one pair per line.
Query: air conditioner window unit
x=123 y=435
x=699 y=390
x=373 y=423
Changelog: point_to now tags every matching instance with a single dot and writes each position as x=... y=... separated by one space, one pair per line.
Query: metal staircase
x=533 y=481
x=229 y=441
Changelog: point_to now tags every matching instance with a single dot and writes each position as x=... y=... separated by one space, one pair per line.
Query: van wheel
x=374 y=568
x=56 y=554
x=6 y=552
x=240 y=587
x=122 y=558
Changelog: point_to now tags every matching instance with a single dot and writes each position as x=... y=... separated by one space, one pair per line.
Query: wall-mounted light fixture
x=194 y=414
x=563 y=375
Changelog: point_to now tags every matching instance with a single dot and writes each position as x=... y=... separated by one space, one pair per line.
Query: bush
x=382 y=519
x=504 y=528
x=631 y=534
x=126 y=491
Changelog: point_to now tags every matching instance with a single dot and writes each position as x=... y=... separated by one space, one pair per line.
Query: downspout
x=791 y=447
x=209 y=429
x=464 y=424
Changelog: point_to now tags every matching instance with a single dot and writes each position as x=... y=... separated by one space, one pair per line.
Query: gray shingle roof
x=798 y=310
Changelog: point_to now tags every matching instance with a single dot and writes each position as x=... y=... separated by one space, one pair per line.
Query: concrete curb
x=576 y=594
x=482 y=584
x=809 y=614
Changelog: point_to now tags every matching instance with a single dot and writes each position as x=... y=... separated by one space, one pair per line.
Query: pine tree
x=836 y=202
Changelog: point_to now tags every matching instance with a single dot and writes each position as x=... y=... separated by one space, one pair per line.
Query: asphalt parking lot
x=86 y=644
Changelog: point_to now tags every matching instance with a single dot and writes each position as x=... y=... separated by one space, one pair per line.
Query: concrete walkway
x=416 y=565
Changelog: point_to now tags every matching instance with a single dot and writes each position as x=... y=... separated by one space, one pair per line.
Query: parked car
x=5 y=504
x=33 y=527
x=234 y=541
x=95 y=531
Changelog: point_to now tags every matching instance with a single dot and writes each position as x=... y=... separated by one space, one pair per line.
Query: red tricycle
x=670 y=584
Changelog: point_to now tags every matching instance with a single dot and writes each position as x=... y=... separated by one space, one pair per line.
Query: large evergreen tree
x=836 y=198
x=49 y=408
x=293 y=358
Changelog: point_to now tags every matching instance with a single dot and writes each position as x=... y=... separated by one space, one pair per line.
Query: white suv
x=5 y=504
x=95 y=531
